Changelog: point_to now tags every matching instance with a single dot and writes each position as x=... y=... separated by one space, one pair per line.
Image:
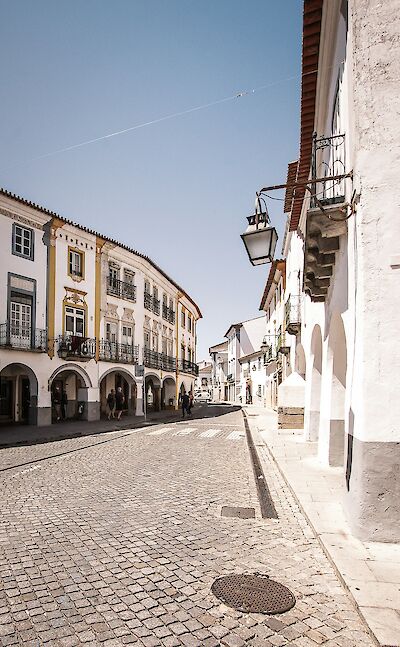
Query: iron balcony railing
x=153 y=359
x=328 y=160
x=114 y=352
x=22 y=338
x=73 y=346
x=168 y=314
x=121 y=289
x=270 y=354
x=293 y=314
x=188 y=367
x=156 y=306
x=148 y=301
x=151 y=303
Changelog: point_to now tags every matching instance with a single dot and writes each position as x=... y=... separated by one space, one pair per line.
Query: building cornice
x=111 y=241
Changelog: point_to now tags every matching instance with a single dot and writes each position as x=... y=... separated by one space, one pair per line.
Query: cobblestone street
x=115 y=540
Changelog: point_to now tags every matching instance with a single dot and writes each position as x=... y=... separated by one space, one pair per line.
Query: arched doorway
x=312 y=412
x=18 y=395
x=338 y=352
x=168 y=393
x=112 y=380
x=69 y=394
x=153 y=393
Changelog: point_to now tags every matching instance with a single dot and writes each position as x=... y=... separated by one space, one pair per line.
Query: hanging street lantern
x=260 y=238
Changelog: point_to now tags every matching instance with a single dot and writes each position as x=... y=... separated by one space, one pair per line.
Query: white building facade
x=82 y=315
x=219 y=362
x=243 y=338
x=342 y=256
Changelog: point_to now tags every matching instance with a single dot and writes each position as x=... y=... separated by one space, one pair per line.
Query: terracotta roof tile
x=312 y=16
x=291 y=177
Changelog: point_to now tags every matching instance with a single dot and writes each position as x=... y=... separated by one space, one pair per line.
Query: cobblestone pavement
x=114 y=541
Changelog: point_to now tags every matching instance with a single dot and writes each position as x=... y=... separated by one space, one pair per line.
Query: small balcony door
x=74 y=322
x=21 y=324
x=113 y=279
x=127 y=335
x=111 y=332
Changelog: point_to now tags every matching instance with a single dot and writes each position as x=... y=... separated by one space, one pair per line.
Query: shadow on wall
x=350 y=441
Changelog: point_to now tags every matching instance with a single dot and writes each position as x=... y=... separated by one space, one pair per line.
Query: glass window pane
x=69 y=323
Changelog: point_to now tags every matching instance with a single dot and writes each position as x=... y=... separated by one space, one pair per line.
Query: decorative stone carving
x=21 y=219
x=112 y=311
x=128 y=314
x=114 y=265
x=75 y=296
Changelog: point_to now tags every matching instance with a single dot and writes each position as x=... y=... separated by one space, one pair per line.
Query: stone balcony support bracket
x=321 y=244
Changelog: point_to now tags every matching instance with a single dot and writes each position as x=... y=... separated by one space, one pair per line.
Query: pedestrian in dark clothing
x=185 y=404
x=64 y=402
x=111 y=404
x=119 y=402
x=56 y=399
x=191 y=402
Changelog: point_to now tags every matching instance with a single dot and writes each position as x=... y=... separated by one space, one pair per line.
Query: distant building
x=243 y=338
x=203 y=381
x=219 y=361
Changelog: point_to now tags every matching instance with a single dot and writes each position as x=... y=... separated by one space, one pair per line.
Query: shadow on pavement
x=29 y=435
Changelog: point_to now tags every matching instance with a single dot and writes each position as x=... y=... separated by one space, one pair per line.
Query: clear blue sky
x=178 y=190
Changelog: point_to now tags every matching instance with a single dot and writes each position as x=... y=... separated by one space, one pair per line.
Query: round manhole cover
x=253 y=593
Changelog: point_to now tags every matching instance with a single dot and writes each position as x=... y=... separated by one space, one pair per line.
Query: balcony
x=270 y=355
x=74 y=347
x=122 y=353
x=20 y=338
x=121 y=289
x=293 y=314
x=168 y=314
x=156 y=305
x=325 y=222
x=148 y=301
x=282 y=345
x=188 y=367
x=151 y=303
x=153 y=359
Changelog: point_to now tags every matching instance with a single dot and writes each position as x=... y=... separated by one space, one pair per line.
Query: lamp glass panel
x=260 y=245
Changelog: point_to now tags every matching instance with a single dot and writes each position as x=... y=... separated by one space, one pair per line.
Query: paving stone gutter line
x=267 y=507
x=321 y=543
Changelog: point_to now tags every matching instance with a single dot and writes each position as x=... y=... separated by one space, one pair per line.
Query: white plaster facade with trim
x=219 y=361
x=85 y=347
x=243 y=338
x=345 y=345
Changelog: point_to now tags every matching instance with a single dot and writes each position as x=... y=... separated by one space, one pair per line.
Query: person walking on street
x=57 y=397
x=64 y=402
x=185 y=404
x=119 y=402
x=111 y=404
x=191 y=402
